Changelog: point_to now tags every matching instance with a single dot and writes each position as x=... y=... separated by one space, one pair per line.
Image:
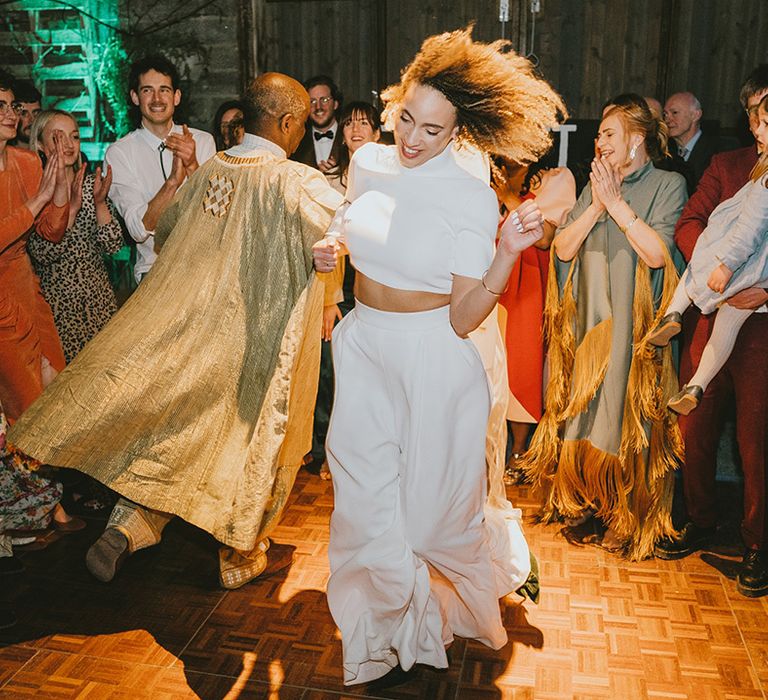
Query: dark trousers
x=324 y=401
x=745 y=375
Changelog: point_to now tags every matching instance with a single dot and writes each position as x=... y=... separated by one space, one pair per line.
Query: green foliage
x=112 y=81
x=114 y=34
x=169 y=28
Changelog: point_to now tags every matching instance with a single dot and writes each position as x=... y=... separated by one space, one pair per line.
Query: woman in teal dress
x=606 y=447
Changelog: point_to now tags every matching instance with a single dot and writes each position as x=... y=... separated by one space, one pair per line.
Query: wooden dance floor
x=164 y=630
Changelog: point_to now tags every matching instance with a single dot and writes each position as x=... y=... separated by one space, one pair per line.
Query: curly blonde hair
x=502 y=106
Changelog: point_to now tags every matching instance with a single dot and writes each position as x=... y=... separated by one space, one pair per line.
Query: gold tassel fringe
x=630 y=492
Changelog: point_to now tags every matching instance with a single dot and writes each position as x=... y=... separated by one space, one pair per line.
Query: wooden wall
x=588 y=49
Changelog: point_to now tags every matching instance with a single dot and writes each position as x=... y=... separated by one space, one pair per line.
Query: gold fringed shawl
x=631 y=489
x=196 y=399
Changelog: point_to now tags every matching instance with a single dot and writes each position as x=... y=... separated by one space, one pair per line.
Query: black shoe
x=668 y=328
x=685 y=400
x=393 y=678
x=688 y=540
x=752 y=580
x=315 y=465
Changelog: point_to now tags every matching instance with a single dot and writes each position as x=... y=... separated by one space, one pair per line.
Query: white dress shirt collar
x=153 y=140
x=685 y=149
x=252 y=143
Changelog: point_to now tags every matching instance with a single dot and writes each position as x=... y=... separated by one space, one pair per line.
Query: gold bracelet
x=490 y=291
x=626 y=228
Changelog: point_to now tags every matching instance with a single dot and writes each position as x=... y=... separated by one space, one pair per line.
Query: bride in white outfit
x=414 y=557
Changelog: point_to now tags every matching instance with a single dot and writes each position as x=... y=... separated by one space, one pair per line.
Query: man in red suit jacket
x=745 y=375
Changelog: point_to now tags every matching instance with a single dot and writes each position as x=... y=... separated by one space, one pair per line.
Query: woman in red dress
x=521 y=306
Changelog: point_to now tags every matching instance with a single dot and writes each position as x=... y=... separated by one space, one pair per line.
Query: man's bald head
x=274 y=106
x=682 y=112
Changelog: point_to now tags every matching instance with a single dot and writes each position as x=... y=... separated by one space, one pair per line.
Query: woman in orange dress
x=30 y=197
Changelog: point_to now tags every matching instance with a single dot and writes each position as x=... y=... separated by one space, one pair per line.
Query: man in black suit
x=682 y=114
x=325 y=100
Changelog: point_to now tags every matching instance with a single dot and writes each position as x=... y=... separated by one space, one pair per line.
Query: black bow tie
x=323 y=135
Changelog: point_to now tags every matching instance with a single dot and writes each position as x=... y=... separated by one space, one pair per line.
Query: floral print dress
x=26 y=499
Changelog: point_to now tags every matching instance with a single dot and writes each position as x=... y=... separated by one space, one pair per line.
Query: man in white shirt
x=682 y=114
x=150 y=163
x=324 y=100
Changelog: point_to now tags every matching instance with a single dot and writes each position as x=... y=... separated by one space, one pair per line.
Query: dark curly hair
x=156 y=62
x=316 y=80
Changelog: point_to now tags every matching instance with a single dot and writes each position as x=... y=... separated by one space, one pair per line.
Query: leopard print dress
x=73 y=276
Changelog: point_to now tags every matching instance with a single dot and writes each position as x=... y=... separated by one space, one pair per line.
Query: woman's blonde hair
x=38 y=127
x=637 y=118
x=761 y=167
x=502 y=106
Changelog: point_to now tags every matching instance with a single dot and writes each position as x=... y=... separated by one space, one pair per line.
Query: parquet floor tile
x=163 y=629
x=12 y=659
x=64 y=675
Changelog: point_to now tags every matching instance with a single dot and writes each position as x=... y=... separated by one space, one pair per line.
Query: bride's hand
x=523 y=227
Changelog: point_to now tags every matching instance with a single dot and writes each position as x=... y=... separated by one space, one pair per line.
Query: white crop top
x=413 y=228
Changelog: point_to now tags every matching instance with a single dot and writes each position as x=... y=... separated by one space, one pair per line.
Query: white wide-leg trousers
x=410 y=549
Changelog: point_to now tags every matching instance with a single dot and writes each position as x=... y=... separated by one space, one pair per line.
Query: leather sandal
x=685 y=400
x=107 y=554
x=74 y=524
x=668 y=328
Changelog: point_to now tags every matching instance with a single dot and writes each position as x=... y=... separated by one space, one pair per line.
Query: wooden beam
x=667 y=35
x=380 y=32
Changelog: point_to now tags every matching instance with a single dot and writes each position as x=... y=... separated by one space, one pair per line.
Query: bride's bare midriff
x=379 y=296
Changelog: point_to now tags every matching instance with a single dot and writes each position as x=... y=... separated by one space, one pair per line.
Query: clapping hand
x=76 y=196
x=61 y=189
x=606 y=184
x=178 y=171
x=48 y=181
x=101 y=185
x=325 y=165
x=183 y=146
x=522 y=228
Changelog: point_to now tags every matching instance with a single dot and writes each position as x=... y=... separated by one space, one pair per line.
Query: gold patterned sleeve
x=318 y=202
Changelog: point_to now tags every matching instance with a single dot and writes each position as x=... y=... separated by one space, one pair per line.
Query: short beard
x=325 y=124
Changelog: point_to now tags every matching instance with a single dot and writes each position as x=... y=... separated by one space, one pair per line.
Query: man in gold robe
x=196 y=399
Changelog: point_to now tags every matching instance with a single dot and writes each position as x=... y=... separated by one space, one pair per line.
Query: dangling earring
x=633 y=152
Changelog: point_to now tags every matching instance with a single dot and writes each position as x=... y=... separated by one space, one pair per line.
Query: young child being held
x=730 y=255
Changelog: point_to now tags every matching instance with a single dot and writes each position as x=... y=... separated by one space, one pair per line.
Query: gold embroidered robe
x=196 y=399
